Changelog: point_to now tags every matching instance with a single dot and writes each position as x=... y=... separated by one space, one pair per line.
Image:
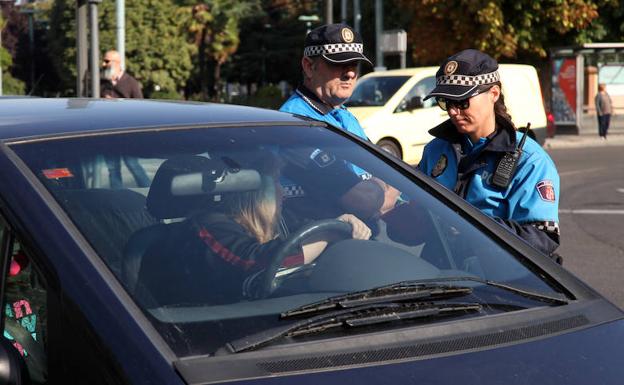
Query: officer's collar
x=502 y=140
x=313 y=100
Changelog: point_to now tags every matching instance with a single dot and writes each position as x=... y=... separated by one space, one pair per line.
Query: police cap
x=464 y=75
x=336 y=43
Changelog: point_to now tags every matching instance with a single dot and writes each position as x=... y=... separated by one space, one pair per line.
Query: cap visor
x=346 y=57
x=453 y=92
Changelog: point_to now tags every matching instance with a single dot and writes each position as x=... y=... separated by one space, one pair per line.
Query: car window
x=375 y=90
x=421 y=90
x=25 y=310
x=229 y=227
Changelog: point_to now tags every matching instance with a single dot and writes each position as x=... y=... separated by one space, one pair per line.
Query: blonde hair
x=257 y=211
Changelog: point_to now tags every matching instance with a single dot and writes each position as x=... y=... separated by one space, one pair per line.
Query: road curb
x=572 y=141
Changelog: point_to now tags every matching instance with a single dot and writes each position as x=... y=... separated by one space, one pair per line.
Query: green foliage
x=12 y=86
x=157 y=53
x=268 y=96
x=213 y=26
x=503 y=28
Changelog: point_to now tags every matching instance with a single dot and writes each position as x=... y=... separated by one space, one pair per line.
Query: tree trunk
x=217 y=81
x=203 y=73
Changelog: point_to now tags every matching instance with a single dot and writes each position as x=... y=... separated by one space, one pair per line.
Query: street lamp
x=308 y=20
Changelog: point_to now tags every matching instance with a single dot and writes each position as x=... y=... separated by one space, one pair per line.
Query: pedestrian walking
x=604 y=110
x=479 y=154
x=116 y=83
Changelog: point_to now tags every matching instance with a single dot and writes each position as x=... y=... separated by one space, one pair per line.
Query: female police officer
x=477 y=153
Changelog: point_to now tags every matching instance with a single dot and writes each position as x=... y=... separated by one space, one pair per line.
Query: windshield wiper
x=390 y=293
x=547 y=298
x=356 y=317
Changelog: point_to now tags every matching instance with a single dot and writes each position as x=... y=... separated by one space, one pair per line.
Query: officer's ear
x=494 y=93
x=308 y=66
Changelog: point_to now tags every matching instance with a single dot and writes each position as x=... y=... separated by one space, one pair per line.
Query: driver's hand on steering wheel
x=360 y=230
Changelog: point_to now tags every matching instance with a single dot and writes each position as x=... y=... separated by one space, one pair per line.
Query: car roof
x=37 y=117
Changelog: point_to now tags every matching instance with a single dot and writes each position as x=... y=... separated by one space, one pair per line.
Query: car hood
x=588 y=356
x=363 y=113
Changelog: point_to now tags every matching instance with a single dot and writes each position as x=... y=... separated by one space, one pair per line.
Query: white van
x=390 y=106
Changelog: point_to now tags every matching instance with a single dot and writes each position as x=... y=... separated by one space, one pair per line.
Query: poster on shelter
x=563 y=103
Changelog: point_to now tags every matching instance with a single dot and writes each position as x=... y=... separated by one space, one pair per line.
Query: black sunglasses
x=445 y=104
x=463 y=104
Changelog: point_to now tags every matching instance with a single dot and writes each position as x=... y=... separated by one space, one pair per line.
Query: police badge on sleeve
x=546 y=190
x=440 y=166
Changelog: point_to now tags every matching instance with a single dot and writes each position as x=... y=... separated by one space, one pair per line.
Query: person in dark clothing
x=214 y=252
x=469 y=147
x=604 y=110
x=116 y=83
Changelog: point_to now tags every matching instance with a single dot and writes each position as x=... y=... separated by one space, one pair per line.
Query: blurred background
x=248 y=51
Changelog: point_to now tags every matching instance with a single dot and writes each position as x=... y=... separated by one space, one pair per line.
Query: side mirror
x=13 y=369
x=414 y=103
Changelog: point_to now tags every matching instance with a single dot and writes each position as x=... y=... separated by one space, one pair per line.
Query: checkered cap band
x=466 y=80
x=293 y=191
x=548 y=226
x=329 y=49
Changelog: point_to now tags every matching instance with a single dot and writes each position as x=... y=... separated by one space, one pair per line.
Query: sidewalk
x=588 y=134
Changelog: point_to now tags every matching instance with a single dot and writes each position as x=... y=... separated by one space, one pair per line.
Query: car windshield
x=214 y=232
x=375 y=90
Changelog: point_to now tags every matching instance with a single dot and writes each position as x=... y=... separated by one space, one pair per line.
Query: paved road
x=592 y=206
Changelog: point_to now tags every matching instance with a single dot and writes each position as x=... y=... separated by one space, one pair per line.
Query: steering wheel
x=268 y=282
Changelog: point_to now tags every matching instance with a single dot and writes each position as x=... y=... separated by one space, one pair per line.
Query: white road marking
x=620 y=190
x=567 y=173
x=591 y=211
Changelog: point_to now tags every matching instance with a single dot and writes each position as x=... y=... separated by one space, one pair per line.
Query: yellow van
x=390 y=106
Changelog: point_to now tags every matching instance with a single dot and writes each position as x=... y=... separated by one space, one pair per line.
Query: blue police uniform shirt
x=304 y=102
x=532 y=195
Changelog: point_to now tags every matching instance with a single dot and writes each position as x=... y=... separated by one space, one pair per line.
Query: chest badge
x=439 y=168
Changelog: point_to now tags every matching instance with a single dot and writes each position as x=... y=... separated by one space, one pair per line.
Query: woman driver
x=223 y=247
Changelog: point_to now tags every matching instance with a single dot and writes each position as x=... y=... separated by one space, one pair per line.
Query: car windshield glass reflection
x=216 y=232
x=375 y=91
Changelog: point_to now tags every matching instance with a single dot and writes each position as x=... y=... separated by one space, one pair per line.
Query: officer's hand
x=360 y=230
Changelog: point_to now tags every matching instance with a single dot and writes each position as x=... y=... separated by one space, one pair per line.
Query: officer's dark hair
x=500 y=109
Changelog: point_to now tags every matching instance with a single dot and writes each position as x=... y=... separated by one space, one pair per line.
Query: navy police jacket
x=528 y=206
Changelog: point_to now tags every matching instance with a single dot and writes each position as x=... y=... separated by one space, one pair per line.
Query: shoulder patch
x=546 y=190
x=439 y=168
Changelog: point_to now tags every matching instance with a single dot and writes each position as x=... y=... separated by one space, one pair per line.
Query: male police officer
x=330 y=57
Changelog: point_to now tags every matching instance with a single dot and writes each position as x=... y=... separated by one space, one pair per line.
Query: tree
x=10 y=85
x=502 y=28
x=157 y=53
x=214 y=28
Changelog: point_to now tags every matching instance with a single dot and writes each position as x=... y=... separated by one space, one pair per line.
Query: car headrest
x=187 y=183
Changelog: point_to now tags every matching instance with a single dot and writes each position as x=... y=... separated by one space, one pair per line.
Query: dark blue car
x=148 y=242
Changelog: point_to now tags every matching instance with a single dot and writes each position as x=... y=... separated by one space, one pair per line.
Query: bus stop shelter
x=576 y=72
